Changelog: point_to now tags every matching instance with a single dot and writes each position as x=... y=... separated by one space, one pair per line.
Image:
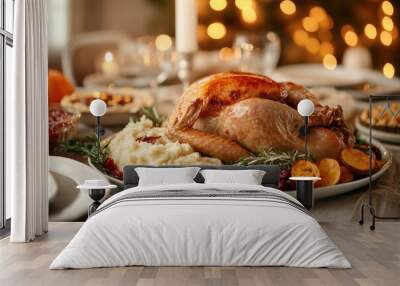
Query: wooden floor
x=375 y=257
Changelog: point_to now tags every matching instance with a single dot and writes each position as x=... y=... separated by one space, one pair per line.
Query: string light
x=387 y=23
x=329 y=61
x=288 y=7
x=300 y=37
x=370 y=31
x=163 y=42
x=351 y=38
x=244 y=4
x=216 y=31
x=218 y=5
x=388 y=70
x=387 y=8
x=249 y=15
x=386 y=38
x=310 y=24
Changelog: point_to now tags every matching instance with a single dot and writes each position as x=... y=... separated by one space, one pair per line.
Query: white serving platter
x=68 y=203
x=378 y=134
x=330 y=191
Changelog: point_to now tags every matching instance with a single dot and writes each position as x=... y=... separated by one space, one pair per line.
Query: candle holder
x=185 y=68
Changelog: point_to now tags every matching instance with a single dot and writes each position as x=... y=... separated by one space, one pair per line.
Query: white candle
x=186 y=25
x=109 y=66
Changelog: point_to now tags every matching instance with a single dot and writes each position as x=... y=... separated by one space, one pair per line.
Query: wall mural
x=169 y=102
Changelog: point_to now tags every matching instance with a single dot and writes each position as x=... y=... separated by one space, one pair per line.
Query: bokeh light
x=249 y=15
x=387 y=23
x=345 y=29
x=244 y=4
x=386 y=38
x=387 y=8
x=288 y=7
x=388 y=70
x=370 y=31
x=351 y=38
x=318 y=13
x=329 y=61
x=300 y=37
x=218 y=5
x=310 y=24
x=312 y=46
x=216 y=31
x=326 y=48
x=226 y=53
x=163 y=42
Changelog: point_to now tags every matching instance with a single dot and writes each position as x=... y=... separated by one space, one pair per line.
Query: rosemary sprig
x=270 y=157
x=87 y=147
x=152 y=114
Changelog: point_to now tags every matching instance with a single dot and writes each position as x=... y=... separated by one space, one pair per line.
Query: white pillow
x=166 y=176
x=248 y=177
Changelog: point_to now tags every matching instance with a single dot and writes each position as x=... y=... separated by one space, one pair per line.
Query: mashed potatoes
x=139 y=143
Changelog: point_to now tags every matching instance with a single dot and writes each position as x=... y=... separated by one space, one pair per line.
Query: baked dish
x=118 y=100
x=383 y=118
x=62 y=124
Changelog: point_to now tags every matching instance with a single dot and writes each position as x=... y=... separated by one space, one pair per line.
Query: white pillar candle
x=186 y=25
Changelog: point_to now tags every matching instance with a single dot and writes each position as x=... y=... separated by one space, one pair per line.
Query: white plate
x=69 y=203
x=330 y=191
x=316 y=75
x=378 y=134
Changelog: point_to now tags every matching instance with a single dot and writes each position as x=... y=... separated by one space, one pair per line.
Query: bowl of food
x=122 y=103
x=385 y=122
x=63 y=124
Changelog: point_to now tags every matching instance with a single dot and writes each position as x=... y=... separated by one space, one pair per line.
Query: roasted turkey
x=232 y=115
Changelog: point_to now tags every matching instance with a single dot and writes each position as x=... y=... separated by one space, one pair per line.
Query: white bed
x=246 y=225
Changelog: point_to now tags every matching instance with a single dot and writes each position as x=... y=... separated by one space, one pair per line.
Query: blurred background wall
x=68 y=18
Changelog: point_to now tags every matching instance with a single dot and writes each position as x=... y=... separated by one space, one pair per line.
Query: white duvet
x=203 y=231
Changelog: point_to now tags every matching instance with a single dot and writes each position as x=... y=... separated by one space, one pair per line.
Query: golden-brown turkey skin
x=261 y=124
x=216 y=101
x=208 y=96
x=212 y=144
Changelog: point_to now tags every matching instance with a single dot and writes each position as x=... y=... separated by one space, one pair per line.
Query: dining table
x=345 y=207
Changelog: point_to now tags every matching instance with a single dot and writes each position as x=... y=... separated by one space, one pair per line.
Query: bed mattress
x=201 y=225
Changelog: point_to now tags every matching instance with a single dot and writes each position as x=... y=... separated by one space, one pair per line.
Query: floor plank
x=375 y=257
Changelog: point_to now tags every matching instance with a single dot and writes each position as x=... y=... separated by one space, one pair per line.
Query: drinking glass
x=257 y=52
x=150 y=64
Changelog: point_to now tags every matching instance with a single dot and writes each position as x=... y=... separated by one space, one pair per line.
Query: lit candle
x=109 y=66
x=186 y=25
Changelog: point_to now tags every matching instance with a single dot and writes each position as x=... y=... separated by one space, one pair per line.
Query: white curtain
x=26 y=123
